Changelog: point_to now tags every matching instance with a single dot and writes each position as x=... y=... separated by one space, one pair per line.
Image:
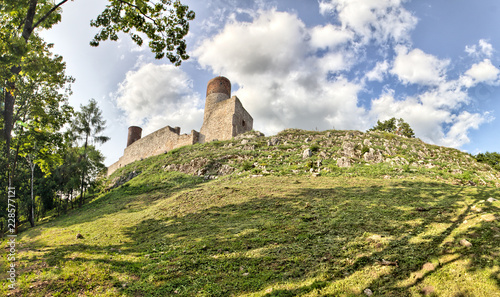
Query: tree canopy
x=24 y=58
x=399 y=127
x=492 y=159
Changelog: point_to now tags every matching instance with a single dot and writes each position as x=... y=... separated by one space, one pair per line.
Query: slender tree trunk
x=84 y=170
x=32 y=221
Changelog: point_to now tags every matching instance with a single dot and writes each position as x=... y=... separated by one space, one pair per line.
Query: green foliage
x=87 y=127
x=399 y=127
x=164 y=22
x=492 y=159
x=314 y=147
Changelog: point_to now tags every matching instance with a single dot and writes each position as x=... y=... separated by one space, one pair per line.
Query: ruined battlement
x=224 y=118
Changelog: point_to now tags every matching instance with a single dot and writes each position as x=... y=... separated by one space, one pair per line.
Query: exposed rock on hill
x=295 y=151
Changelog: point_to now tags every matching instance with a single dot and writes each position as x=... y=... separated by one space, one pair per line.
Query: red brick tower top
x=219 y=84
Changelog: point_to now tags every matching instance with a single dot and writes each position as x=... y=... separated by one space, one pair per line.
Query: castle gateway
x=224 y=117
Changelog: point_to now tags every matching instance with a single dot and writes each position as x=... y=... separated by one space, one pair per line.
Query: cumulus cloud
x=329 y=36
x=293 y=76
x=483 y=72
x=378 y=20
x=282 y=82
x=417 y=67
x=428 y=121
x=271 y=42
x=154 y=96
x=461 y=125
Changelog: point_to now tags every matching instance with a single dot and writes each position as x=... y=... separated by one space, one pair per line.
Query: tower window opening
x=243 y=123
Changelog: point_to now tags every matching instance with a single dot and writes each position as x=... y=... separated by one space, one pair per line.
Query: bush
x=247 y=165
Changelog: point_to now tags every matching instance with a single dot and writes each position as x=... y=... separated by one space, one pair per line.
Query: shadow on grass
x=300 y=240
x=119 y=199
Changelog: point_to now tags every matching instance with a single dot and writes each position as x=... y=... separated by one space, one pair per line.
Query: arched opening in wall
x=243 y=123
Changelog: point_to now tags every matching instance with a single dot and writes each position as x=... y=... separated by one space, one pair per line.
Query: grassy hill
x=301 y=213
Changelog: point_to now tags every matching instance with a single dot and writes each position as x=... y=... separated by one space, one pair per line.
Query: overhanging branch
x=48 y=14
x=139 y=9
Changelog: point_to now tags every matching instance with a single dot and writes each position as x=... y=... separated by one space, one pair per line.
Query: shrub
x=247 y=165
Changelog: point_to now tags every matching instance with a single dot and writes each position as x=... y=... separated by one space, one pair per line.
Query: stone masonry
x=224 y=118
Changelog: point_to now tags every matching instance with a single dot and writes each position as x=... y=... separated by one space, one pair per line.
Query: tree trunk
x=84 y=169
x=15 y=70
x=32 y=220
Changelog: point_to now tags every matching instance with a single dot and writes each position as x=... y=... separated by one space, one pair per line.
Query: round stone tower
x=134 y=134
x=218 y=89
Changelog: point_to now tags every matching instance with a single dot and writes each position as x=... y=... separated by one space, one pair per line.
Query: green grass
x=272 y=228
x=268 y=236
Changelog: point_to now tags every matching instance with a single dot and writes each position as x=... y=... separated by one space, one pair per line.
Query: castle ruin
x=224 y=118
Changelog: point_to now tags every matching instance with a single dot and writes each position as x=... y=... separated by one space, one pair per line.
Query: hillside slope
x=328 y=153
x=278 y=222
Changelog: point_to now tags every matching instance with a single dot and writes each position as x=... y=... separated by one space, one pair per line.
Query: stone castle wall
x=217 y=125
x=156 y=143
x=242 y=120
x=225 y=121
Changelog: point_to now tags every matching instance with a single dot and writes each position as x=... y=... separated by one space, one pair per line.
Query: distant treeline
x=492 y=159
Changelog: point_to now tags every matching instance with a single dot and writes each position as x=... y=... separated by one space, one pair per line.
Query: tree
x=164 y=22
x=39 y=112
x=399 y=127
x=492 y=159
x=67 y=175
x=87 y=127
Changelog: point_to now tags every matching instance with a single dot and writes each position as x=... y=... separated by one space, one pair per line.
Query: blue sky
x=307 y=64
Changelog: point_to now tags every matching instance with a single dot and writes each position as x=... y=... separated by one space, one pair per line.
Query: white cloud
x=154 y=96
x=273 y=41
x=462 y=123
x=282 y=82
x=484 y=48
x=425 y=120
x=379 y=20
x=449 y=95
x=428 y=114
x=378 y=72
x=329 y=36
x=483 y=72
x=326 y=7
x=292 y=76
x=417 y=67
x=333 y=62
